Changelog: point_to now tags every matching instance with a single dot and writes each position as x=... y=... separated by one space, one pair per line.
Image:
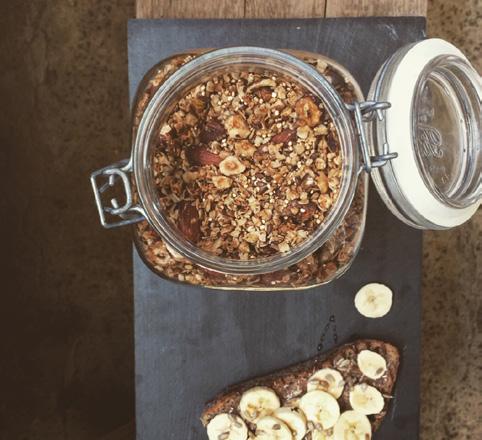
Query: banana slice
x=272 y=428
x=322 y=435
x=366 y=399
x=320 y=408
x=353 y=426
x=294 y=419
x=371 y=364
x=374 y=300
x=227 y=427
x=258 y=402
x=329 y=380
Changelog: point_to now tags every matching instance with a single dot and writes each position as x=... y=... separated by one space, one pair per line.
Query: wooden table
x=277 y=8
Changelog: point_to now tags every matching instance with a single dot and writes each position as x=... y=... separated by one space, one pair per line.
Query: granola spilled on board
x=248 y=165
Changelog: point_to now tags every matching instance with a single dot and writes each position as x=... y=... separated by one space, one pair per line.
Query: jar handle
x=363 y=112
x=129 y=212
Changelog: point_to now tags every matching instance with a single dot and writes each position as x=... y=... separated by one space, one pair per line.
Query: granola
x=248 y=165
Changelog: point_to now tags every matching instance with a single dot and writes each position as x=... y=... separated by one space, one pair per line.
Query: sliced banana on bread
x=342 y=395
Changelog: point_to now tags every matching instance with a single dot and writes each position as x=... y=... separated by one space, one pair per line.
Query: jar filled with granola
x=249 y=165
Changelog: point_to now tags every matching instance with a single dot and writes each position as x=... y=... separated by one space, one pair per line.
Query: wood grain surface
x=370 y=8
x=190 y=8
x=284 y=9
x=278 y=8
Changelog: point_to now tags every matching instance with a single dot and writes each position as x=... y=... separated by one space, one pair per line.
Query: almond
x=237 y=127
x=200 y=156
x=231 y=166
x=307 y=111
x=189 y=221
x=284 y=137
x=212 y=131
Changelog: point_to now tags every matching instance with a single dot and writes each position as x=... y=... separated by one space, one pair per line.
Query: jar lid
x=433 y=125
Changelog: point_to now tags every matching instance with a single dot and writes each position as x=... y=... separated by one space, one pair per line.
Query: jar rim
x=188 y=76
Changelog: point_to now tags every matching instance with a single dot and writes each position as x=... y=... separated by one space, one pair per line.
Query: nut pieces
x=221 y=182
x=308 y=112
x=231 y=166
x=212 y=131
x=244 y=148
x=248 y=165
x=258 y=129
x=237 y=127
x=189 y=223
x=200 y=156
x=284 y=137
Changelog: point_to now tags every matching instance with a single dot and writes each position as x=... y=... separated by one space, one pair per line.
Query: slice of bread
x=291 y=383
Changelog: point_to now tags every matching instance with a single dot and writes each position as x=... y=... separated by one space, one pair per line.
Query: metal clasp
x=366 y=112
x=129 y=212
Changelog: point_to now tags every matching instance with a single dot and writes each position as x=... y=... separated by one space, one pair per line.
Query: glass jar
x=443 y=106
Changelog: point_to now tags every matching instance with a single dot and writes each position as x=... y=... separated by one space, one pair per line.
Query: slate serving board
x=192 y=342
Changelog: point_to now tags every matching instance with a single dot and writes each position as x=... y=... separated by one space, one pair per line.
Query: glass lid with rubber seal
x=433 y=125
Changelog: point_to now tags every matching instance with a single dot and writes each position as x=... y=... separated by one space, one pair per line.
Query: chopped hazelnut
x=303 y=132
x=308 y=112
x=244 y=148
x=231 y=166
x=237 y=127
x=221 y=182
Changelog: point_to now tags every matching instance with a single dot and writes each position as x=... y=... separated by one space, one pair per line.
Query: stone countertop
x=452 y=282
x=67 y=304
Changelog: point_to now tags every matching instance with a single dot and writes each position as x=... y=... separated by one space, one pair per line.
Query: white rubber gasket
x=399 y=134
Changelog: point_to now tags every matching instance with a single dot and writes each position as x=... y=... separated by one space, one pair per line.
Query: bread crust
x=290 y=383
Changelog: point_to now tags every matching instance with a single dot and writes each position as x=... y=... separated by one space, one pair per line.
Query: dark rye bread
x=290 y=383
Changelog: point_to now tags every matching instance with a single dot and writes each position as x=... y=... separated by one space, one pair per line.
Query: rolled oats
x=248 y=165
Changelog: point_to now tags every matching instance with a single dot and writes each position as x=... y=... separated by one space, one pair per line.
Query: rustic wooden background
x=277 y=8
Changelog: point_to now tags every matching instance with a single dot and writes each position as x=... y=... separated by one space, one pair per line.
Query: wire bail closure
x=128 y=212
x=365 y=112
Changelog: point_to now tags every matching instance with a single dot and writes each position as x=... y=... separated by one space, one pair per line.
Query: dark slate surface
x=191 y=342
